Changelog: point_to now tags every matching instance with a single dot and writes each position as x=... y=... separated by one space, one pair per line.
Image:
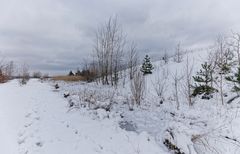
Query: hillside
x=37 y=119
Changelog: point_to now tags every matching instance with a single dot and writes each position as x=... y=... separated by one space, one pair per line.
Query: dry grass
x=68 y=78
x=3 y=79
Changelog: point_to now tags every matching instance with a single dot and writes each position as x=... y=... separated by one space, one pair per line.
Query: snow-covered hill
x=206 y=127
x=37 y=119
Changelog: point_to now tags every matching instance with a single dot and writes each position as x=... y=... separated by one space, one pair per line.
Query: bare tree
x=187 y=86
x=235 y=44
x=24 y=74
x=160 y=84
x=109 y=47
x=9 y=69
x=220 y=63
x=177 y=79
x=211 y=61
x=223 y=65
x=6 y=70
x=3 y=77
x=178 y=55
x=165 y=57
x=137 y=87
x=133 y=60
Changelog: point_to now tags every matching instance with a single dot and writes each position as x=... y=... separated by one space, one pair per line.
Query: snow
x=35 y=120
x=38 y=119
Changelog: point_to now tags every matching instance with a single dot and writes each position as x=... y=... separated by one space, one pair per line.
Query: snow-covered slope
x=37 y=119
x=206 y=127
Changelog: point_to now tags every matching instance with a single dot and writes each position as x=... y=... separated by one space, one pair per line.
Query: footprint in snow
x=28 y=124
x=37 y=118
x=39 y=144
x=28 y=115
x=21 y=140
x=24 y=151
x=21 y=133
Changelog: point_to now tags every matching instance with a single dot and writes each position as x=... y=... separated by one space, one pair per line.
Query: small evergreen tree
x=224 y=61
x=147 y=66
x=203 y=80
x=236 y=80
x=71 y=73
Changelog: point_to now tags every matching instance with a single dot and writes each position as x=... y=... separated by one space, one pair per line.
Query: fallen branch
x=232 y=99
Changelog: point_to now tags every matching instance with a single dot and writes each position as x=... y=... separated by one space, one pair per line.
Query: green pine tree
x=147 y=66
x=203 y=80
x=236 y=80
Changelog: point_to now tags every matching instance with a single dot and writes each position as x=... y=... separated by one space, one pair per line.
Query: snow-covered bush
x=97 y=98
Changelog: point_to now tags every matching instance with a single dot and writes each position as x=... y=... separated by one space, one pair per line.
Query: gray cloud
x=56 y=35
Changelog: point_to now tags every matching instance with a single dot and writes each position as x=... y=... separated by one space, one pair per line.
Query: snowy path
x=34 y=120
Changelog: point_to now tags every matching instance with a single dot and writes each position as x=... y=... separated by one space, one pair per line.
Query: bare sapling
x=177 y=79
x=187 y=86
x=223 y=62
x=133 y=60
x=24 y=74
x=138 y=87
x=234 y=43
x=160 y=84
x=178 y=55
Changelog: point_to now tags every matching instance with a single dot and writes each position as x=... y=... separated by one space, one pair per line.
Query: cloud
x=56 y=35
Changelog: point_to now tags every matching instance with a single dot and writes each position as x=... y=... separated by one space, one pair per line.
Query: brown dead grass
x=68 y=78
x=3 y=79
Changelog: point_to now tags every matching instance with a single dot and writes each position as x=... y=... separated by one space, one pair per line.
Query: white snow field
x=34 y=120
x=37 y=119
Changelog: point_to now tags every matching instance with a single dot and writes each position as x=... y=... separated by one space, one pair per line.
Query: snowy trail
x=34 y=120
x=12 y=112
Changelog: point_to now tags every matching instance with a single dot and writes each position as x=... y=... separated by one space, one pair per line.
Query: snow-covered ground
x=206 y=127
x=37 y=119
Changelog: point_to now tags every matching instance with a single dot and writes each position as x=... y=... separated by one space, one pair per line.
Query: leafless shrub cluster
x=109 y=51
x=138 y=87
x=160 y=83
x=96 y=98
x=176 y=82
x=165 y=57
x=24 y=74
x=6 y=71
x=234 y=43
x=132 y=61
x=178 y=55
x=188 y=82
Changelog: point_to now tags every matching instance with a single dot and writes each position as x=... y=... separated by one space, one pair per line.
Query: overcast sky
x=55 y=35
